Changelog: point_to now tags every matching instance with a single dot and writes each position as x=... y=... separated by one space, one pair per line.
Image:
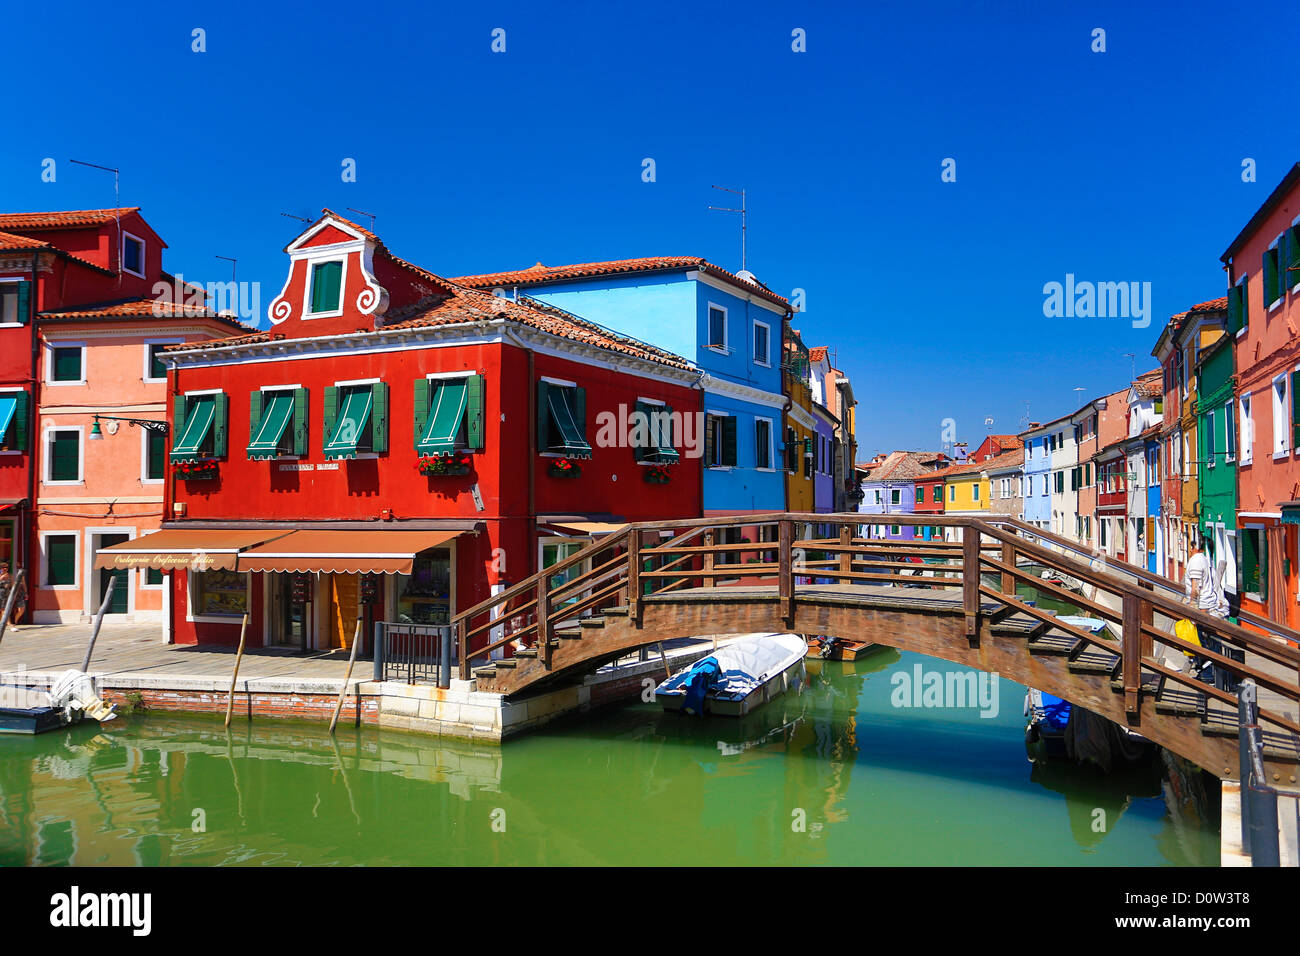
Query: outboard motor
x=74 y=694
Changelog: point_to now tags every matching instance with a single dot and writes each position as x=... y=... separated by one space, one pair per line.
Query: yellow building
x=800 y=427
x=965 y=492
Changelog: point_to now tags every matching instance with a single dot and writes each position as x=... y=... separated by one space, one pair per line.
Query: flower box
x=564 y=468
x=456 y=463
x=656 y=475
x=197 y=470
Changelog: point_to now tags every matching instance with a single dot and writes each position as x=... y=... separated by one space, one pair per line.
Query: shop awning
x=572 y=441
x=275 y=418
x=8 y=405
x=343 y=552
x=183 y=550
x=446 y=412
x=584 y=529
x=351 y=424
x=198 y=420
x=1291 y=513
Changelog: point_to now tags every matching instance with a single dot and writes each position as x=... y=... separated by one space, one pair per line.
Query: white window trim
x=14 y=280
x=216 y=618
x=1245 y=301
x=310 y=280
x=563 y=382
x=203 y=391
x=144 y=459
x=724 y=348
x=49 y=361
x=767 y=361
x=1245 y=430
x=718 y=414
x=88 y=554
x=1281 y=277
x=1284 y=417
x=145 y=376
x=45 y=562
x=121 y=253
x=771 y=442
x=48 y=457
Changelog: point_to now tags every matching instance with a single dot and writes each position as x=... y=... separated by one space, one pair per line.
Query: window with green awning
x=562 y=420
x=442 y=428
x=655 y=429
x=8 y=412
x=199 y=422
x=356 y=420
x=271 y=426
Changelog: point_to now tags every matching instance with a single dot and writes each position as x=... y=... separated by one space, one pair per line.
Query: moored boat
x=737 y=678
x=839 y=649
x=72 y=698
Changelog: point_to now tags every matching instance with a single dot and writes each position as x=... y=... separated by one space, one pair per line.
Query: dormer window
x=325 y=292
x=133 y=254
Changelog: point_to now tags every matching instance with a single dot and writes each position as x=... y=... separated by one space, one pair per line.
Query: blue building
x=1037 y=476
x=730 y=326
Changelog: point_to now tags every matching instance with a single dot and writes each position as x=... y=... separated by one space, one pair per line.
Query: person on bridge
x=1204 y=590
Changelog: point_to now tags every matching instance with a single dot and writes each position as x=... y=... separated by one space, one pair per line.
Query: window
x=880 y=500
x=1272 y=276
x=60 y=560
x=1230 y=433
x=952 y=492
x=153 y=577
x=1238 y=307
x=199 y=422
x=762 y=443
x=277 y=423
x=719 y=441
x=975 y=491
x=66 y=363
x=155 y=454
x=326 y=293
x=938 y=493
x=895 y=496
x=920 y=494
x=717 y=328
x=1253 y=573
x=449 y=417
x=133 y=254
x=63 y=456
x=895 y=530
x=14 y=412
x=1281 y=416
x=762 y=343
x=356 y=419
x=218 y=593
x=1208 y=451
x=15 y=302
x=1247 y=431
x=155 y=368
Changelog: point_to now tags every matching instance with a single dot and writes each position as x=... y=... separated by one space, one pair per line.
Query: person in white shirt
x=1202 y=585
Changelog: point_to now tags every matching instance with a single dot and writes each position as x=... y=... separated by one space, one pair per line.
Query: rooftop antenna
x=289 y=215
x=743 y=210
x=360 y=212
x=1132 y=366
x=1024 y=419
x=117 y=205
x=232 y=262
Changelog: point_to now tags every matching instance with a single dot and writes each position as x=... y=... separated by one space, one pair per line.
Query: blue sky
x=1115 y=166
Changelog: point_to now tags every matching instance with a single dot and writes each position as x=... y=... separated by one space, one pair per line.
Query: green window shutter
x=254 y=413
x=220 y=423
x=18 y=427
x=379 y=417
x=24 y=300
x=708 y=440
x=300 y=412
x=643 y=451
x=580 y=411
x=331 y=415
x=60 y=559
x=1269 y=274
x=420 y=412
x=325 y=291
x=668 y=440
x=1295 y=410
x=1292 y=264
x=543 y=416
x=474 y=424
x=157 y=454
x=178 y=417
x=65 y=464
x=729 y=440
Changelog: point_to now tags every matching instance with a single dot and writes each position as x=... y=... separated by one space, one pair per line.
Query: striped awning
x=183 y=549
x=351 y=423
x=446 y=412
x=560 y=408
x=343 y=552
x=275 y=418
x=198 y=420
x=1291 y=513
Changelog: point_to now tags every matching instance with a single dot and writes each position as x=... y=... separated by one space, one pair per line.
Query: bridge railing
x=983 y=558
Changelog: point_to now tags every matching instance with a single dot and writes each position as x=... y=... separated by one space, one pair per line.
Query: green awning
x=8 y=405
x=446 y=412
x=275 y=418
x=660 y=450
x=351 y=424
x=571 y=442
x=1291 y=513
x=198 y=420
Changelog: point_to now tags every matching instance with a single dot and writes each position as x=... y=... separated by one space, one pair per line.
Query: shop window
x=218 y=593
x=424 y=595
x=1253 y=566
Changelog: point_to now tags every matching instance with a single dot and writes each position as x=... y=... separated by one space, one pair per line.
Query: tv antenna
x=232 y=262
x=744 y=212
x=360 y=212
x=289 y=215
x=1132 y=366
x=117 y=205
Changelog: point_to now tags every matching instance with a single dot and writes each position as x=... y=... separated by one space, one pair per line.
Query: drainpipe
x=28 y=518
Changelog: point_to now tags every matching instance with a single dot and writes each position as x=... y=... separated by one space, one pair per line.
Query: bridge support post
x=1009 y=559
x=1146 y=615
x=970 y=583
x=706 y=564
x=846 y=556
x=544 y=620
x=785 y=571
x=462 y=642
x=634 y=578
x=1131 y=648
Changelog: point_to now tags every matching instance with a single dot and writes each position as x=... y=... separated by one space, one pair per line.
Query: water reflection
x=831 y=775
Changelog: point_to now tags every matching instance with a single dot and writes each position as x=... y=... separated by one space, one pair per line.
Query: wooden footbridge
x=813 y=574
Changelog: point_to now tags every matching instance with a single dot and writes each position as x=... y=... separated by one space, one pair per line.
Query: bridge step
x=1058 y=644
x=621 y=611
x=569 y=633
x=593 y=622
x=484 y=672
x=506 y=662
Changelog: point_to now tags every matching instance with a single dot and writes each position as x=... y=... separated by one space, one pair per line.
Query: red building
x=80 y=323
x=398 y=438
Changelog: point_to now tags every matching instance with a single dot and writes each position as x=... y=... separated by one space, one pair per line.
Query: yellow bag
x=1185 y=630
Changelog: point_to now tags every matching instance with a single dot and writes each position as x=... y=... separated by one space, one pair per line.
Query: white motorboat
x=738 y=677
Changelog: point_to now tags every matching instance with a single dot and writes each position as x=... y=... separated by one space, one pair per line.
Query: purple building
x=890 y=489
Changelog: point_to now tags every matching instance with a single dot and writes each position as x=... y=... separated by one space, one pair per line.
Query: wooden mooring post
x=99 y=619
x=343 y=691
x=14 y=585
x=785 y=571
x=970 y=583
x=234 y=677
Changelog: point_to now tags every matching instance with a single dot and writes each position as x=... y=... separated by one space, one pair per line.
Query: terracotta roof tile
x=141 y=308
x=818 y=353
x=9 y=241
x=582 y=270
x=70 y=219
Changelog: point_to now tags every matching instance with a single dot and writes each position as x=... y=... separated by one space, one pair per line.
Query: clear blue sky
x=1115 y=166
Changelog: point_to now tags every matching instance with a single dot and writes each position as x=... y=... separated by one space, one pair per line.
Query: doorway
x=289 y=616
x=121 y=600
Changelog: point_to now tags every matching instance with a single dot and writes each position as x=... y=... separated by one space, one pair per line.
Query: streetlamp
x=151 y=424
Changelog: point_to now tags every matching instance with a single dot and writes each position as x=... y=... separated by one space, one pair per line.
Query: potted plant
x=449 y=463
x=564 y=468
x=657 y=475
x=197 y=469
